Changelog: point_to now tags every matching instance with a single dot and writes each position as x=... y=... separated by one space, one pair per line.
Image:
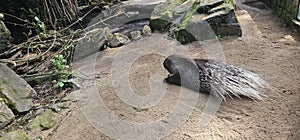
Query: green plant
x=218 y=37
x=40 y=26
x=188 y=16
x=61 y=68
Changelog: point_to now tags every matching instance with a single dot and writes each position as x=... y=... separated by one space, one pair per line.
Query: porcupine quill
x=218 y=78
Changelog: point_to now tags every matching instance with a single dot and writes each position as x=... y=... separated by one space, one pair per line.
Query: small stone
x=1 y=16
x=147 y=30
x=135 y=35
x=118 y=40
x=54 y=82
x=106 y=7
x=70 y=97
x=15 y=135
x=109 y=36
x=56 y=108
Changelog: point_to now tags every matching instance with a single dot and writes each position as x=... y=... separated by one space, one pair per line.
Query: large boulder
x=15 y=90
x=91 y=43
x=195 y=20
x=167 y=13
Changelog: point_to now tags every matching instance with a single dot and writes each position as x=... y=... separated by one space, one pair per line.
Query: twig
x=80 y=19
x=21 y=25
x=52 y=45
x=20 y=19
x=8 y=61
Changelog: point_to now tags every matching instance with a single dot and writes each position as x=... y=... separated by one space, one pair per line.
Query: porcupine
x=214 y=77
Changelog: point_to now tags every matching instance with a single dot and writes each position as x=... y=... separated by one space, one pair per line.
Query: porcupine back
x=227 y=80
x=218 y=78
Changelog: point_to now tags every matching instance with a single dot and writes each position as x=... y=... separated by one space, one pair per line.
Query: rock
x=135 y=35
x=114 y=17
x=142 y=2
x=5 y=35
x=71 y=97
x=43 y=121
x=147 y=30
x=191 y=21
x=62 y=105
x=131 y=26
x=163 y=15
x=223 y=20
x=6 y=115
x=1 y=16
x=91 y=43
x=118 y=40
x=15 y=90
x=15 y=135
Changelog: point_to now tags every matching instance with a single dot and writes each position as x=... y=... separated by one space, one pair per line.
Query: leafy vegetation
x=61 y=68
x=218 y=37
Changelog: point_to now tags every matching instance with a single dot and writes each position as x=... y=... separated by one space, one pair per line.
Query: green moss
x=167 y=15
x=231 y=3
x=188 y=16
x=8 y=102
x=162 y=14
x=4 y=81
x=171 y=6
x=43 y=121
x=12 y=106
x=181 y=1
x=3 y=99
x=15 y=91
x=15 y=135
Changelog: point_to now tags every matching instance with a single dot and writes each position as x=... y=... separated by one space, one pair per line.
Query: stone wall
x=286 y=9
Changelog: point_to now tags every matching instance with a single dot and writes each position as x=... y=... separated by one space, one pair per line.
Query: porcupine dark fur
x=213 y=77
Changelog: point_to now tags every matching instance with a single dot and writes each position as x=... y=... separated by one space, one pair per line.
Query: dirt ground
x=268 y=48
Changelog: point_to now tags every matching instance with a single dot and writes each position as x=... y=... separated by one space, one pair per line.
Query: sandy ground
x=267 y=48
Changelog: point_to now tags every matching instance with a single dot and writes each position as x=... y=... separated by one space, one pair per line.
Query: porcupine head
x=182 y=72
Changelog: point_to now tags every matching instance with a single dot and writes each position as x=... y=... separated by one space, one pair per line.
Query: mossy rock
x=192 y=21
x=15 y=90
x=43 y=121
x=15 y=135
x=6 y=115
x=164 y=14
